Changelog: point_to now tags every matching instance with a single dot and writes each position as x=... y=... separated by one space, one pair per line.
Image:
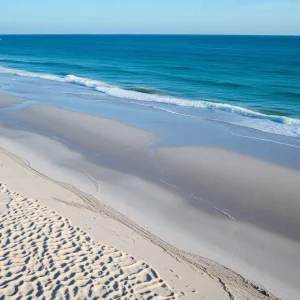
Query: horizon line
x=194 y=34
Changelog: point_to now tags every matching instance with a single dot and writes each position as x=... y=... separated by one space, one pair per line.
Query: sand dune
x=43 y=255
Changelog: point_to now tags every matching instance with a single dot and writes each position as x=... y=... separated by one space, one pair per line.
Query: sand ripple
x=43 y=256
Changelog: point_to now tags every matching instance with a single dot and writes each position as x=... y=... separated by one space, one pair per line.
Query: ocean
x=249 y=81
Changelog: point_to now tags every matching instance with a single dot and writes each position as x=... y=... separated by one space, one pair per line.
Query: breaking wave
x=150 y=95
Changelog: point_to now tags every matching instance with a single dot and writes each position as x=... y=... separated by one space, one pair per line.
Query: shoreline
x=40 y=153
x=282 y=124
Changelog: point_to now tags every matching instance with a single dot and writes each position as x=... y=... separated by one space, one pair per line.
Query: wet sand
x=6 y=101
x=228 y=207
x=248 y=189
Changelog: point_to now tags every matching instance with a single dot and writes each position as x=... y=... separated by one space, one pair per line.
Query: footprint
x=43 y=255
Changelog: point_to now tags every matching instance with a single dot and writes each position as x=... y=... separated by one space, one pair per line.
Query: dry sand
x=44 y=256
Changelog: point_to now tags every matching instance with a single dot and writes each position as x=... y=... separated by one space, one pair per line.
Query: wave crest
x=150 y=95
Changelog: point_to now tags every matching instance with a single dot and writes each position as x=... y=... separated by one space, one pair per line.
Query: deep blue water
x=253 y=81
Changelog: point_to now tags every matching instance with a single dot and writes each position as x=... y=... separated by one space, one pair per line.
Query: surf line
x=262 y=139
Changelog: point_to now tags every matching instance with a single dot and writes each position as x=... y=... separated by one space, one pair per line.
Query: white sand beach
x=67 y=221
x=44 y=255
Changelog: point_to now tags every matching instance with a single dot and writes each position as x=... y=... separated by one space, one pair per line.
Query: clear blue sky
x=151 y=16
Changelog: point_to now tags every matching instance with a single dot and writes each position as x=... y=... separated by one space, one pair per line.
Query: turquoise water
x=252 y=81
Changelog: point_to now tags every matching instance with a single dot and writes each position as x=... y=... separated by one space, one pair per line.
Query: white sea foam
x=118 y=92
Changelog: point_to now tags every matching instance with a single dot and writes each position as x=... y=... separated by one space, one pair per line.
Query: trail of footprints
x=42 y=256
